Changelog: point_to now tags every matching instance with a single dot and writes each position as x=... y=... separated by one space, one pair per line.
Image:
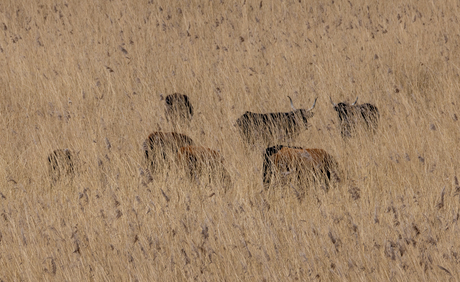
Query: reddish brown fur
x=170 y=138
x=200 y=161
x=197 y=158
x=200 y=153
x=312 y=158
x=306 y=163
x=162 y=146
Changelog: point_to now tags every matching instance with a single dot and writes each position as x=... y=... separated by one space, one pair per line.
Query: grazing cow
x=161 y=147
x=351 y=115
x=200 y=161
x=178 y=107
x=61 y=163
x=265 y=127
x=307 y=164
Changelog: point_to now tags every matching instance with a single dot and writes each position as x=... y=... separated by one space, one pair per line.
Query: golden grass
x=87 y=75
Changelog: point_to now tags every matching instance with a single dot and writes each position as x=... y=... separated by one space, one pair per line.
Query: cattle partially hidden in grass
x=204 y=163
x=62 y=164
x=267 y=128
x=350 y=116
x=160 y=148
x=178 y=108
x=305 y=165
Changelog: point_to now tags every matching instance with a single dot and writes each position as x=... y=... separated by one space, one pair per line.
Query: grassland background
x=89 y=75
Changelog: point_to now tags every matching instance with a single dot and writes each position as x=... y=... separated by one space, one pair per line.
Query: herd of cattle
x=162 y=149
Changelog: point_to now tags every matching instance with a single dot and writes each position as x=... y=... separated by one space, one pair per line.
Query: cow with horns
x=62 y=163
x=162 y=147
x=305 y=164
x=256 y=127
x=352 y=115
x=178 y=107
x=204 y=162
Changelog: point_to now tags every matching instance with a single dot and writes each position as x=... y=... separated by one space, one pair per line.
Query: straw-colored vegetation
x=89 y=76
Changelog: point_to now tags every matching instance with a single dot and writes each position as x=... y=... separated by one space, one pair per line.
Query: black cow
x=178 y=107
x=267 y=127
x=351 y=115
x=61 y=163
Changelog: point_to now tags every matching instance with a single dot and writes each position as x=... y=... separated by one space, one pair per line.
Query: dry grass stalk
x=89 y=76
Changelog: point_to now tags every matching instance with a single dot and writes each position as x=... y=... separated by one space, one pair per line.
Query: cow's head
x=344 y=110
x=303 y=113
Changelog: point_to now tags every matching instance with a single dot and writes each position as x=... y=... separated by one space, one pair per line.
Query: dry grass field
x=90 y=76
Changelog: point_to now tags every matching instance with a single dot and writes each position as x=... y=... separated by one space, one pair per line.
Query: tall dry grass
x=88 y=75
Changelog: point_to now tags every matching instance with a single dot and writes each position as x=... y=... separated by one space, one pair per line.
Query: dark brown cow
x=178 y=107
x=161 y=148
x=266 y=127
x=200 y=161
x=62 y=163
x=307 y=164
x=352 y=115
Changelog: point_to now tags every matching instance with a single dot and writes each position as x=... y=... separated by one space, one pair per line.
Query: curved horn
x=355 y=101
x=314 y=104
x=332 y=102
x=292 y=105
